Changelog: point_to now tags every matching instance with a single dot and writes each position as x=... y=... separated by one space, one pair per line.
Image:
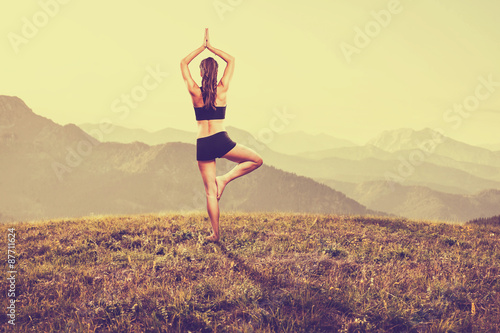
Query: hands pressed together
x=206 y=45
x=206 y=40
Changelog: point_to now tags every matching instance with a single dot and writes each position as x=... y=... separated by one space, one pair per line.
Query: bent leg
x=207 y=170
x=248 y=160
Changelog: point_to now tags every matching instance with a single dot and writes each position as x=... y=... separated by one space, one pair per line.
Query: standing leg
x=207 y=170
x=248 y=160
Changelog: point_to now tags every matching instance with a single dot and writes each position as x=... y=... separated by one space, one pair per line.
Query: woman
x=209 y=102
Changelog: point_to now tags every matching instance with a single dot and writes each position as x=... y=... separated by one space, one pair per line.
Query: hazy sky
x=334 y=65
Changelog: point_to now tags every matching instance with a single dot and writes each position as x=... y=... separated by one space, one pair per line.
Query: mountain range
x=48 y=170
x=420 y=202
x=440 y=178
x=370 y=163
x=492 y=146
x=129 y=135
x=292 y=143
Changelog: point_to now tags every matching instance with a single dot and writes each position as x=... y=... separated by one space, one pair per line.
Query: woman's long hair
x=209 y=69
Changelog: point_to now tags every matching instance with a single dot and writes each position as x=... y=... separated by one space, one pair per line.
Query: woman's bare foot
x=221 y=184
x=212 y=238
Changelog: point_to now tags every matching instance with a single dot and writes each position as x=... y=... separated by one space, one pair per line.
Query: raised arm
x=228 y=72
x=186 y=74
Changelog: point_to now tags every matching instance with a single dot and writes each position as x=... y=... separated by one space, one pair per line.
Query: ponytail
x=209 y=68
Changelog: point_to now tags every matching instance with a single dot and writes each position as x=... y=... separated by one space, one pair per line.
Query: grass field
x=271 y=273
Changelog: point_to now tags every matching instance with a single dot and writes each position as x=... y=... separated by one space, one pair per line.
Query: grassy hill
x=272 y=272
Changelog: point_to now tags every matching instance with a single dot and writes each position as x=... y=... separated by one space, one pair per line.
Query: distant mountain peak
x=406 y=132
x=12 y=106
x=404 y=138
x=18 y=121
x=5 y=100
x=12 y=112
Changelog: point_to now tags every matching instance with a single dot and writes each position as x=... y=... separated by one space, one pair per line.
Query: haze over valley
x=49 y=170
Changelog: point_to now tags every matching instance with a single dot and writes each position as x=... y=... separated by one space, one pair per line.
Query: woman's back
x=214 y=94
x=210 y=126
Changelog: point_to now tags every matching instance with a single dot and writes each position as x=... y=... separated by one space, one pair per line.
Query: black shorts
x=213 y=146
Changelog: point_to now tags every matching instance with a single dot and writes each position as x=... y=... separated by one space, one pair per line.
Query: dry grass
x=271 y=273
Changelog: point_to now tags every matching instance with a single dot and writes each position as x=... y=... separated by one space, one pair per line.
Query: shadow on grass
x=292 y=305
x=264 y=281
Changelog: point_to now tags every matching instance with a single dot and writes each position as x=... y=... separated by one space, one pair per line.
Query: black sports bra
x=209 y=114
